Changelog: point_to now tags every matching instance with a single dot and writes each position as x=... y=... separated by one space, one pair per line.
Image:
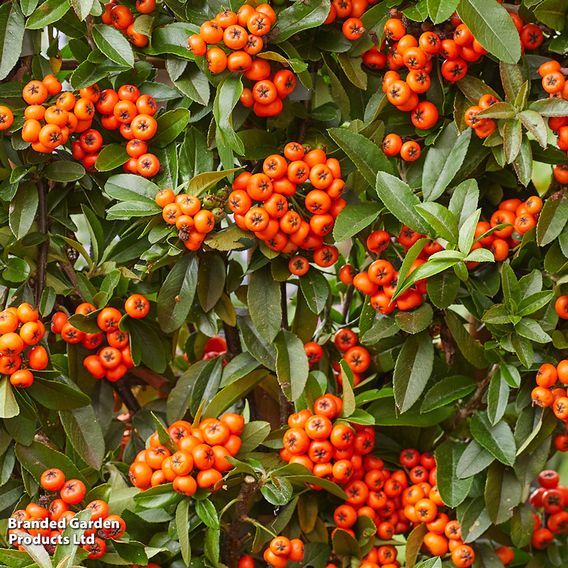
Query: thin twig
x=233 y=341
x=150 y=377
x=284 y=306
x=41 y=266
x=347 y=302
x=123 y=390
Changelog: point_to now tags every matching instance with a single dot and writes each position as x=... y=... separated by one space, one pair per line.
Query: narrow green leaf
x=412 y=370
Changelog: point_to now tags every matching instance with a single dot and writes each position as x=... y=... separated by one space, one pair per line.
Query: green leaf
x=467 y=232
x=228 y=93
x=205 y=180
x=353 y=70
x=496 y=439
x=474 y=520
x=256 y=344
x=315 y=290
x=523 y=348
x=23 y=209
x=301 y=16
x=453 y=490
x=522 y=525
x=182 y=529
x=531 y=330
x=512 y=139
x=264 y=303
x=233 y=392
x=533 y=303
x=446 y=391
x=400 y=200
x=552 y=220
x=348 y=396
x=147 y=345
x=177 y=293
x=47 y=13
x=253 y=435
x=444 y=160
x=550 y=107
x=535 y=124
x=11 y=36
x=443 y=221
x=180 y=396
x=497 y=398
x=552 y=13
x=85 y=434
x=127 y=209
x=129 y=187
x=470 y=348
x=474 y=88
x=277 y=490
x=82 y=8
x=441 y=10
x=193 y=84
x=113 y=44
x=414 y=543
x=57 y=395
x=170 y=125
x=64 y=171
x=412 y=370
x=523 y=163
x=443 y=289
x=499 y=110
x=16 y=270
x=385 y=412
x=207 y=513
x=364 y=154
x=211 y=281
x=492 y=27
x=111 y=156
x=292 y=367
x=353 y=219
x=474 y=459
x=382 y=328
x=37 y=457
x=502 y=493
x=8 y=404
x=416 y=320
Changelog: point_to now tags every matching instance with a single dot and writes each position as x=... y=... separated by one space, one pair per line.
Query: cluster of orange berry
x=380 y=279
x=243 y=34
x=483 y=127
x=113 y=357
x=20 y=332
x=547 y=394
x=308 y=181
x=132 y=114
x=356 y=356
x=350 y=11
x=121 y=17
x=519 y=218
x=48 y=128
x=282 y=550
x=201 y=448
x=421 y=503
x=550 y=500
x=329 y=450
x=414 y=54
x=54 y=513
x=185 y=212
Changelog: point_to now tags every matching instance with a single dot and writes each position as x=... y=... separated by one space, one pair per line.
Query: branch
x=247 y=491
x=474 y=402
x=149 y=377
x=284 y=306
x=233 y=340
x=41 y=267
x=123 y=390
x=347 y=302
